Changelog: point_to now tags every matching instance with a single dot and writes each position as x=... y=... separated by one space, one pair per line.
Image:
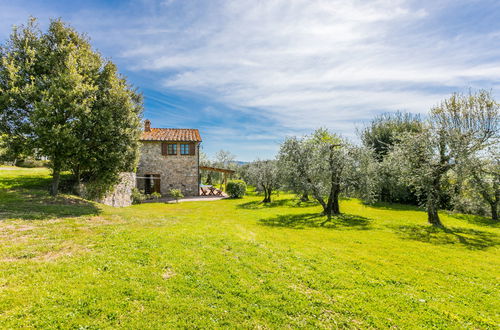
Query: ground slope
x=237 y=263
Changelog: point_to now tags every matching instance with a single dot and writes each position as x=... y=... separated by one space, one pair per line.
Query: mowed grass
x=68 y=263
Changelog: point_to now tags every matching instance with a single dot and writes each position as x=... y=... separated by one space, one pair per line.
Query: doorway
x=152 y=184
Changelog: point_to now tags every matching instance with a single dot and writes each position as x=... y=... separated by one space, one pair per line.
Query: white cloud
x=311 y=63
x=300 y=63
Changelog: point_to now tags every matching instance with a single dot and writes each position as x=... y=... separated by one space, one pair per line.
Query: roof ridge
x=172 y=128
x=171 y=134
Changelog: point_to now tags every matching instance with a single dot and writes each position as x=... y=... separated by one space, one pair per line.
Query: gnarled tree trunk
x=267 y=195
x=432 y=209
x=332 y=206
x=494 y=210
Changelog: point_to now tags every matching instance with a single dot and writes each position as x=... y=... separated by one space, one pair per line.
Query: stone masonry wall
x=120 y=195
x=176 y=171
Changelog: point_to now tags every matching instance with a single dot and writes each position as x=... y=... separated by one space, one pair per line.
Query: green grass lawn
x=68 y=263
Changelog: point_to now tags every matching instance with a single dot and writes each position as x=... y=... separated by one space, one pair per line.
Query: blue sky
x=249 y=73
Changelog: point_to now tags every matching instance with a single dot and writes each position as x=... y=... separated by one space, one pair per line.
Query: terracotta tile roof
x=171 y=134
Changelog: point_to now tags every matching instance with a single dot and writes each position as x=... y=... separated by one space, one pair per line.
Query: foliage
x=480 y=183
x=236 y=188
x=317 y=165
x=224 y=265
x=204 y=159
x=263 y=174
x=155 y=195
x=242 y=171
x=385 y=130
x=381 y=135
x=176 y=194
x=63 y=99
x=137 y=196
x=363 y=175
x=11 y=152
x=391 y=188
x=30 y=162
x=223 y=159
x=459 y=127
x=467 y=198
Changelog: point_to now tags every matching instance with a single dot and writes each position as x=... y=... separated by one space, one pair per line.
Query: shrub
x=236 y=188
x=32 y=163
x=155 y=196
x=176 y=193
x=137 y=196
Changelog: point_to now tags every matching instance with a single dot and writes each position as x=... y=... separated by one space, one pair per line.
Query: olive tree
x=362 y=175
x=457 y=128
x=484 y=177
x=263 y=174
x=317 y=164
x=224 y=159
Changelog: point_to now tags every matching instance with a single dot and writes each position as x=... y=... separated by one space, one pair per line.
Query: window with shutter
x=192 y=149
x=172 y=149
x=185 y=149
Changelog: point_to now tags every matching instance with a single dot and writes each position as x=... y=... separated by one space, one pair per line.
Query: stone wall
x=121 y=195
x=176 y=171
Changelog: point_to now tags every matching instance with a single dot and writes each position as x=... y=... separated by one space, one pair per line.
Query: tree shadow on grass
x=395 y=206
x=303 y=220
x=27 y=198
x=477 y=220
x=277 y=203
x=470 y=238
x=24 y=182
x=34 y=205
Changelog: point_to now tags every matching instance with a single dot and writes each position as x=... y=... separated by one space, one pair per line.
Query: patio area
x=168 y=199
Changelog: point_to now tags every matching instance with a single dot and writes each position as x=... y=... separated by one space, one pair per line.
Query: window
x=172 y=149
x=185 y=149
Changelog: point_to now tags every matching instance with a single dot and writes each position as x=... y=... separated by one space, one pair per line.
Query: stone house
x=169 y=160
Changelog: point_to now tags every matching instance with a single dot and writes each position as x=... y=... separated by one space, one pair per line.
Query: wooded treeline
x=449 y=160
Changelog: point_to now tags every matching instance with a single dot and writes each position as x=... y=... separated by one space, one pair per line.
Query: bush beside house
x=236 y=188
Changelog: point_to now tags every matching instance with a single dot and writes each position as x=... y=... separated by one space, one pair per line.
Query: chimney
x=147 y=126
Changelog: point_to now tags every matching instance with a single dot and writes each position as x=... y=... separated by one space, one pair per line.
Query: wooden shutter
x=164 y=148
x=192 y=147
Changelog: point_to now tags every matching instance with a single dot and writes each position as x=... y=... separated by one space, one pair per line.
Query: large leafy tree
x=457 y=128
x=319 y=165
x=62 y=98
x=380 y=135
x=385 y=130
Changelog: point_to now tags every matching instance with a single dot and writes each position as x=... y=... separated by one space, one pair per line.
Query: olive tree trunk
x=494 y=210
x=432 y=209
x=332 y=206
x=267 y=195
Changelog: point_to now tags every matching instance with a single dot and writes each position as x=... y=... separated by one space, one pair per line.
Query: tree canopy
x=317 y=165
x=456 y=129
x=61 y=97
